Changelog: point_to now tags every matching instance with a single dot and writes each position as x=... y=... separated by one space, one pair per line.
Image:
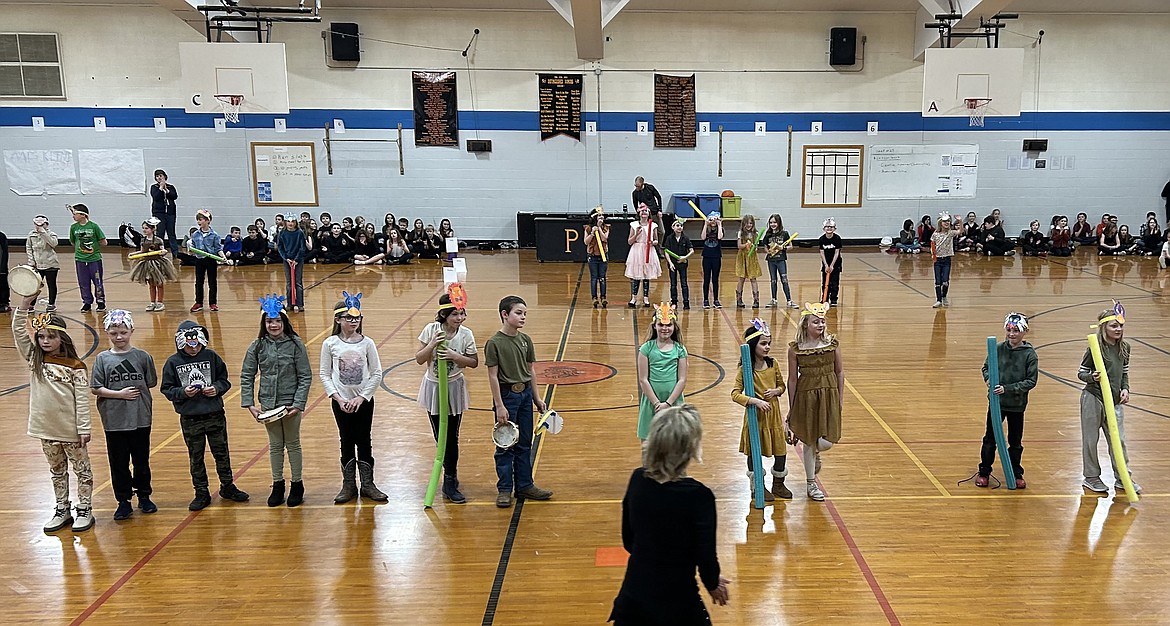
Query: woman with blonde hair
x=668 y=527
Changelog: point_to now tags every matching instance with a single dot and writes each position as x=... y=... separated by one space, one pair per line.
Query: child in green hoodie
x=1018 y=369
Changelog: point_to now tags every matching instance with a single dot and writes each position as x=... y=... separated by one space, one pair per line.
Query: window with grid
x=30 y=66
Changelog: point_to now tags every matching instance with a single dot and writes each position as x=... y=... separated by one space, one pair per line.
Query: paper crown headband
x=713 y=215
x=352 y=305
x=193 y=336
x=152 y=221
x=819 y=309
x=1017 y=321
x=118 y=317
x=829 y=223
x=664 y=314
x=272 y=305
x=1118 y=314
x=457 y=296
x=761 y=330
x=46 y=321
x=203 y=213
x=944 y=217
x=290 y=216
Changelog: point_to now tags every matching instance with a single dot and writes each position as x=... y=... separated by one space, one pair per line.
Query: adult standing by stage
x=162 y=206
x=645 y=193
x=1166 y=197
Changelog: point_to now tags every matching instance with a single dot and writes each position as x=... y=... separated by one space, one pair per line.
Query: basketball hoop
x=977 y=107
x=230 y=105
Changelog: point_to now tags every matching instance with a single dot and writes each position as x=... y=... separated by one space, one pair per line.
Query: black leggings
x=50 y=276
x=451 y=454
x=711 y=267
x=354 y=429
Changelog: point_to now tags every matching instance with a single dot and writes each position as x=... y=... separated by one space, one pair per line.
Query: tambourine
x=134 y=256
x=24 y=280
x=272 y=415
x=505 y=435
x=551 y=422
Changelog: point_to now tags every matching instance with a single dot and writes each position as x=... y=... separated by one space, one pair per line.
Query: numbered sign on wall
x=871 y=128
x=816 y=128
x=643 y=128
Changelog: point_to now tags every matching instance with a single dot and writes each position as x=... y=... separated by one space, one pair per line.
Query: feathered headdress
x=1016 y=321
x=761 y=330
x=46 y=321
x=1118 y=314
x=819 y=309
x=457 y=296
x=352 y=305
x=664 y=314
x=272 y=305
x=118 y=317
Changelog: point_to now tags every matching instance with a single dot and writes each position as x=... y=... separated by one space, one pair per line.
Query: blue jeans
x=942 y=277
x=597 y=269
x=514 y=465
x=779 y=268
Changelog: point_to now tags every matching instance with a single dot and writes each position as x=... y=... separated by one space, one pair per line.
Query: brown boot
x=767 y=494
x=778 y=487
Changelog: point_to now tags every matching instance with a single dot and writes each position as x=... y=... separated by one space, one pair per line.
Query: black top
x=1166 y=192
x=160 y=203
x=774 y=238
x=669 y=531
x=995 y=233
x=680 y=245
x=648 y=195
x=368 y=249
x=830 y=245
x=1035 y=238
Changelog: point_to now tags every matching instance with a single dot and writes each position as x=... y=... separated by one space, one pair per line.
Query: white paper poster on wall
x=112 y=171
x=36 y=172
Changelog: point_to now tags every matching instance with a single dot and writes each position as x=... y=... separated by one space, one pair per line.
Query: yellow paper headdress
x=45 y=321
x=762 y=330
x=664 y=314
x=1118 y=315
x=819 y=309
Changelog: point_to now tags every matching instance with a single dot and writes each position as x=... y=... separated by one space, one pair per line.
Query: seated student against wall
x=430 y=245
x=968 y=233
x=992 y=241
x=397 y=252
x=1109 y=244
x=367 y=252
x=1034 y=242
x=907 y=241
x=1151 y=239
x=1061 y=237
x=335 y=247
x=925 y=231
x=1082 y=231
x=233 y=247
x=253 y=248
x=1129 y=244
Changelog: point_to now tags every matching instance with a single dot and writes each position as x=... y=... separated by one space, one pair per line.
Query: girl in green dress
x=816 y=380
x=662 y=367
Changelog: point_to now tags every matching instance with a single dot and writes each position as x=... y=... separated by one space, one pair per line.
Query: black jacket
x=648 y=195
x=160 y=203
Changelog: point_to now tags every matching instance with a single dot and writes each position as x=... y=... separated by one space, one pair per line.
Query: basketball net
x=230 y=105
x=977 y=107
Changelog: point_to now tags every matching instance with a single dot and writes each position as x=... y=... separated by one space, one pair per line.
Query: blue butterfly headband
x=352 y=305
x=272 y=305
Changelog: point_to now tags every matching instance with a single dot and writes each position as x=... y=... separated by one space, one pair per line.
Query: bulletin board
x=284 y=173
x=832 y=176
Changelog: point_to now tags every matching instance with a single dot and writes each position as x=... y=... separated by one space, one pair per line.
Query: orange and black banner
x=436 y=109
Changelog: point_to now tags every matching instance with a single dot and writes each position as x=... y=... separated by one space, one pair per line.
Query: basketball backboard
x=952 y=75
x=253 y=70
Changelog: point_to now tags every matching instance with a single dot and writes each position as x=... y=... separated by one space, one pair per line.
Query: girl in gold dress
x=816 y=380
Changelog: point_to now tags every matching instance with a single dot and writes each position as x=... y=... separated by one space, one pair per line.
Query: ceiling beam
x=185 y=10
x=610 y=9
x=587 y=29
x=928 y=37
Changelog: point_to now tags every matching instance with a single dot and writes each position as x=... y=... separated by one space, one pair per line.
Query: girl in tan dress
x=153 y=271
x=768 y=384
x=747 y=262
x=816 y=380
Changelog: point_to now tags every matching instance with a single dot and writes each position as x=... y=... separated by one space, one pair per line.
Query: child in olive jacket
x=1018 y=370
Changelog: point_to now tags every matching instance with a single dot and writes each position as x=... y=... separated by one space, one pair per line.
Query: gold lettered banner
x=560 y=105
x=436 y=111
x=674 y=111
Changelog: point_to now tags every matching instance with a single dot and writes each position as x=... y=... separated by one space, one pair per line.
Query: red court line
x=153 y=552
x=866 y=572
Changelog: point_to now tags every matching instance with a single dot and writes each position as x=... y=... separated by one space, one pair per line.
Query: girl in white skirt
x=155 y=271
x=460 y=353
x=642 y=265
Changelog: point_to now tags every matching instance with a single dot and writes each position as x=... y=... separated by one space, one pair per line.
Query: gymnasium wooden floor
x=897 y=540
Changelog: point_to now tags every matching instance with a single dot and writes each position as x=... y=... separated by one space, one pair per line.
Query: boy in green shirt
x=87 y=239
x=509 y=355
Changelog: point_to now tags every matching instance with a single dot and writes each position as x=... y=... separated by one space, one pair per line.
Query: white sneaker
x=150 y=307
x=946 y=302
x=1094 y=484
x=793 y=305
x=771 y=305
x=61 y=518
x=84 y=520
x=158 y=306
x=815 y=493
x=1162 y=262
x=1120 y=487
x=937 y=304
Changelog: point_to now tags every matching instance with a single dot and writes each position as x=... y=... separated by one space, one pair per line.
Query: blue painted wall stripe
x=80 y=117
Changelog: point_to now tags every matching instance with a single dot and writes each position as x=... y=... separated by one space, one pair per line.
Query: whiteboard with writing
x=284 y=173
x=903 y=172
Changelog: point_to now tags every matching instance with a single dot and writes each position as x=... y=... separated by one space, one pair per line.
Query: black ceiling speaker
x=842 y=46
x=343 y=38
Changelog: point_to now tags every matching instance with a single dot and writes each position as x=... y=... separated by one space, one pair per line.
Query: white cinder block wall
x=769 y=66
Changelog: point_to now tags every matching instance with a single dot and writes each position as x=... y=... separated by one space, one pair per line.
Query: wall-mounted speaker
x=1035 y=145
x=343 y=39
x=842 y=45
x=479 y=145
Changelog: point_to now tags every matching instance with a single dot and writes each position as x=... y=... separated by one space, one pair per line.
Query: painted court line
x=898 y=440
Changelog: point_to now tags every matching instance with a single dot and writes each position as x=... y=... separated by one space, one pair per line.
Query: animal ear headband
x=664 y=314
x=762 y=330
x=44 y=321
x=272 y=305
x=118 y=317
x=352 y=305
x=457 y=295
x=194 y=336
x=819 y=309
x=1016 y=321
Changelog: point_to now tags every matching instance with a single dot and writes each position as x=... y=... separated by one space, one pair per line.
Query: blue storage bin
x=709 y=202
x=681 y=204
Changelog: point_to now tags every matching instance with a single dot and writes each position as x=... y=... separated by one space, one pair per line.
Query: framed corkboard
x=832 y=176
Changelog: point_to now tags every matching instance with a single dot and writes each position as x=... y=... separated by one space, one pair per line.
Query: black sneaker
x=124 y=510
x=146 y=506
x=686 y=306
x=85 y=308
x=233 y=493
x=202 y=501
x=101 y=306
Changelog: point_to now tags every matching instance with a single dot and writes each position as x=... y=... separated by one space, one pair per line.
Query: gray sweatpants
x=1092 y=424
x=285 y=434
